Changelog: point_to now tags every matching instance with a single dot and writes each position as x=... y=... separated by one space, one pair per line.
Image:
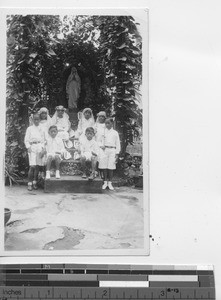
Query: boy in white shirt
x=55 y=150
x=89 y=151
x=111 y=149
x=34 y=142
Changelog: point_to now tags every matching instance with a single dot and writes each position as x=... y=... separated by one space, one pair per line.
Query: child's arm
x=68 y=125
x=118 y=147
x=81 y=148
x=100 y=141
x=61 y=148
x=44 y=138
x=80 y=125
x=27 y=139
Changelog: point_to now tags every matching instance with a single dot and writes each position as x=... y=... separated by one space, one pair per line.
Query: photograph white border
x=141 y=15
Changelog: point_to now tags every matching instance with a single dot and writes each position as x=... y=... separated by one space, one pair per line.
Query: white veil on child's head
x=44 y=109
x=55 y=116
x=83 y=122
x=90 y=110
x=101 y=113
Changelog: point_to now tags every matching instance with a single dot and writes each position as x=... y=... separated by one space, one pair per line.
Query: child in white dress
x=86 y=120
x=111 y=149
x=61 y=120
x=34 y=142
x=89 y=152
x=99 y=126
x=55 y=151
x=45 y=119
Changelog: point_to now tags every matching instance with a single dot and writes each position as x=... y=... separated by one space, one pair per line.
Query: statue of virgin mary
x=73 y=88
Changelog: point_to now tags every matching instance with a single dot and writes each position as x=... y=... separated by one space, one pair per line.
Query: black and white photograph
x=75 y=116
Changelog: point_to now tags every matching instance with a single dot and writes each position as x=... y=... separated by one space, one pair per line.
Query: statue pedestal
x=73 y=114
x=70 y=167
x=73 y=184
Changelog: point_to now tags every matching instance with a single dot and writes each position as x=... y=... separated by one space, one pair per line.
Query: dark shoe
x=91 y=177
x=84 y=176
x=35 y=187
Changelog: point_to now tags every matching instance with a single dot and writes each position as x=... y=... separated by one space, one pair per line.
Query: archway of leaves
x=41 y=49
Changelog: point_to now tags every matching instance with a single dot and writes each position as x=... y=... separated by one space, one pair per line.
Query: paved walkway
x=39 y=221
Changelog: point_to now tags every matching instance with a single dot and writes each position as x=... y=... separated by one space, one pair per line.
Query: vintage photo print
x=74 y=114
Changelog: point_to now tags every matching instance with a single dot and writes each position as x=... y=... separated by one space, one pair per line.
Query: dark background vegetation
x=41 y=49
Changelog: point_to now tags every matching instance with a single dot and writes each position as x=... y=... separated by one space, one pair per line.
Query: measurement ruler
x=78 y=281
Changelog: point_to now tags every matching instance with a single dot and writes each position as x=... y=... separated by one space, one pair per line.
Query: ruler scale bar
x=121 y=293
x=174 y=284
x=94 y=281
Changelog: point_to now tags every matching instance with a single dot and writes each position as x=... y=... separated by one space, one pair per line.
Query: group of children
x=48 y=139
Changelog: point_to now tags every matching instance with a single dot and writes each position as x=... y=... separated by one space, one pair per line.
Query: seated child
x=34 y=142
x=89 y=151
x=86 y=120
x=111 y=150
x=55 y=150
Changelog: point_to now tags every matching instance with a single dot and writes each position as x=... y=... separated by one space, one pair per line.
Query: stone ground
x=39 y=221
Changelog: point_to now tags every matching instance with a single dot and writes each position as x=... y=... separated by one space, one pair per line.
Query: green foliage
x=41 y=50
x=29 y=40
x=122 y=70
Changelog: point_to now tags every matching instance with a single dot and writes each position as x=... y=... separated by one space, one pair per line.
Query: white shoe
x=104 y=186
x=110 y=186
x=57 y=174
x=48 y=175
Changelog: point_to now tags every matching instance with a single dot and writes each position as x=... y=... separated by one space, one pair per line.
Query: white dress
x=84 y=124
x=45 y=124
x=99 y=132
x=63 y=125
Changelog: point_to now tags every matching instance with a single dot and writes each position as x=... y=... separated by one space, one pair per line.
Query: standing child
x=99 y=135
x=55 y=150
x=86 y=120
x=34 y=142
x=89 y=151
x=45 y=122
x=111 y=150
